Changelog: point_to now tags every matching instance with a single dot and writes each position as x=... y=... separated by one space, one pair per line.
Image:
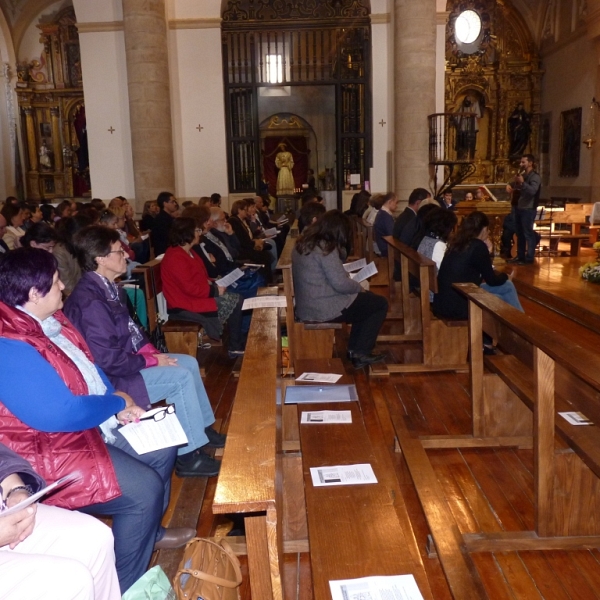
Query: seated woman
x=325 y=292
x=40 y=235
x=467 y=260
x=250 y=249
x=190 y=294
x=70 y=552
x=148 y=215
x=15 y=216
x=438 y=225
x=52 y=419
x=384 y=222
x=98 y=309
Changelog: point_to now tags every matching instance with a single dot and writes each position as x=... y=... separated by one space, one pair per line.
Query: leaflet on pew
x=394 y=587
x=343 y=475
x=326 y=417
x=43 y=492
x=149 y=435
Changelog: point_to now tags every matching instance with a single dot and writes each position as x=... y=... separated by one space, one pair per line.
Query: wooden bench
x=444 y=342
x=541 y=374
x=575 y=239
x=248 y=481
x=364 y=239
x=181 y=336
x=305 y=340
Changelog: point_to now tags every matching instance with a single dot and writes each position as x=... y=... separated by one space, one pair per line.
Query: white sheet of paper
x=326 y=416
x=355 y=179
x=575 y=418
x=230 y=278
x=320 y=377
x=150 y=435
x=392 y=587
x=264 y=302
x=35 y=497
x=342 y=475
x=282 y=219
x=356 y=265
x=364 y=273
x=272 y=232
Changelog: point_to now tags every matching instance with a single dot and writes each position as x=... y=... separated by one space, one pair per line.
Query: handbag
x=152 y=585
x=208 y=571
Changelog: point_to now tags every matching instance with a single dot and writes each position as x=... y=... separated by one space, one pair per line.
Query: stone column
x=146 y=50
x=414 y=98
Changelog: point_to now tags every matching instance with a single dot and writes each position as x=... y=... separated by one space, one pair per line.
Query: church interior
x=483 y=491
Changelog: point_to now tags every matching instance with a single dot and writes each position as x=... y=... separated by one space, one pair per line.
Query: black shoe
x=235 y=353
x=198 y=465
x=364 y=360
x=489 y=350
x=525 y=262
x=175 y=538
x=215 y=439
x=516 y=259
x=349 y=354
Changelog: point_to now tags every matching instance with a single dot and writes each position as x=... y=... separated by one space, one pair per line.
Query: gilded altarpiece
x=52 y=113
x=502 y=74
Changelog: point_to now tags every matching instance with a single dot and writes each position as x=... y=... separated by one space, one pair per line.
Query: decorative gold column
x=57 y=147
x=31 y=145
x=146 y=51
x=414 y=98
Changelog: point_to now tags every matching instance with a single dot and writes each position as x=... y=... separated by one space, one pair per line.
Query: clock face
x=467 y=27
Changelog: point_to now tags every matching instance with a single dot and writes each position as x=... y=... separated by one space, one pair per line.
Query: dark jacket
x=11 y=463
x=104 y=325
x=471 y=265
x=402 y=221
x=159 y=234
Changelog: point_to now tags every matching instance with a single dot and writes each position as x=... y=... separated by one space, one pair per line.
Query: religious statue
x=284 y=161
x=519 y=130
x=45 y=160
x=467 y=128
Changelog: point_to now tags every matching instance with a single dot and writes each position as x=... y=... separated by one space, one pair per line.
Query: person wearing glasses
x=98 y=309
x=169 y=209
x=66 y=418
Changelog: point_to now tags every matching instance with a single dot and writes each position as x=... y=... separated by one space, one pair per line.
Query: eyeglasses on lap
x=160 y=413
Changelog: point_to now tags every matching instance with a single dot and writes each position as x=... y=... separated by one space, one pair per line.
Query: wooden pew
x=248 y=481
x=181 y=336
x=364 y=239
x=305 y=340
x=541 y=374
x=444 y=342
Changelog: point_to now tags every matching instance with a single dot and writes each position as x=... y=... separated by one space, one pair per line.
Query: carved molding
x=100 y=26
x=381 y=18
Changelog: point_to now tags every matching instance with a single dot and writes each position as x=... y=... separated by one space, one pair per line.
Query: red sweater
x=185 y=282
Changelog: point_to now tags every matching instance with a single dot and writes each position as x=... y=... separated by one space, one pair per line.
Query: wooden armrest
x=320 y=325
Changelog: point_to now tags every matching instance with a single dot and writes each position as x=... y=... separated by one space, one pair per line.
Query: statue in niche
x=45 y=159
x=519 y=130
x=284 y=161
x=467 y=127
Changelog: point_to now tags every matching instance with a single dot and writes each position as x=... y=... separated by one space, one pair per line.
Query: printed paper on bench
x=575 y=418
x=326 y=417
x=320 y=377
x=314 y=394
x=393 y=587
x=264 y=302
x=343 y=475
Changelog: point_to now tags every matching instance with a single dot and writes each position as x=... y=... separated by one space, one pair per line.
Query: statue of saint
x=519 y=130
x=467 y=128
x=45 y=160
x=284 y=161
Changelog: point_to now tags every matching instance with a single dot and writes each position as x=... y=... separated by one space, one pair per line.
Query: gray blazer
x=322 y=286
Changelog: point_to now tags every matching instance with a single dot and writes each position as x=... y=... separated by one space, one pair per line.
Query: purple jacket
x=104 y=324
x=11 y=463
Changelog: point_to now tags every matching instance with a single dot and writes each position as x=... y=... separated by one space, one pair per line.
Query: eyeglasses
x=121 y=252
x=160 y=413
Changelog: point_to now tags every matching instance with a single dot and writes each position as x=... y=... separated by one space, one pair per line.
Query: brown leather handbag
x=208 y=571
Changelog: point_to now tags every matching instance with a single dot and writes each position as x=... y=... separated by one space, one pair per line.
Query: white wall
x=197 y=99
x=569 y=82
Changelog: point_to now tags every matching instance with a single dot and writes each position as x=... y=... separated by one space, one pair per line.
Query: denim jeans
x=145 y=481
x=526 y=238
x=506 y=292
x=183 y=387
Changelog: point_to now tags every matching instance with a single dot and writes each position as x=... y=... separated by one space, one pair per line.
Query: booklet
x=392 y=587
x=35 y=497
x=270 y=233
x=364 y=273
x=282 y=219
x=575 y=418
x=230 y=278
x=312 y=394
x=320 y=377
x=326 y=416
x=343 y=475
x=264 y=302
x=356 y=265
x=150 y=435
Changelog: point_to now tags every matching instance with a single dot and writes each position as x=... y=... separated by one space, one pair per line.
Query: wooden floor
x=486 y=490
